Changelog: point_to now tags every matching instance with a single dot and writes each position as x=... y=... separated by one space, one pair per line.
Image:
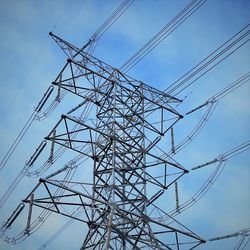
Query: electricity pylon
x=121 y=138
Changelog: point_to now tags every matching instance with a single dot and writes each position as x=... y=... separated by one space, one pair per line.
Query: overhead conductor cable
x=103 y=28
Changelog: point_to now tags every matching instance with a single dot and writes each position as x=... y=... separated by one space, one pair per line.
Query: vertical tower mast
x=131 y=119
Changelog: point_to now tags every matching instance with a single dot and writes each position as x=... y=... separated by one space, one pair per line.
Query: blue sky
x=31 y=60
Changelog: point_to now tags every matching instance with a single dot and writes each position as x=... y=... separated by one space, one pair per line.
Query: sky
x=31 y=61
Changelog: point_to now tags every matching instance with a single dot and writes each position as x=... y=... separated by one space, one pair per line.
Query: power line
x=224 y=92
x=212 y=60
x=244 y=235
x=221 y=162
x=227 y=155
x=191 y=8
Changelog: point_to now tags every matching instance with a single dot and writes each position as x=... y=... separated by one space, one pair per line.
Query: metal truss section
x=97 y=72
x=128 y=230
x=122 y=140
x=129 y=124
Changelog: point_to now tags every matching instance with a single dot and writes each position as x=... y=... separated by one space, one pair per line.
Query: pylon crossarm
x=68 y=48
x=135 y=218
x=105 y=68
x=63 y=196
x=146 y=92
x=187 y=232
x=163 y=96
x=67 y=135
x=79 y=55
x=162 y=160
x=65 y=187
x=141 y=120
x=65 y=139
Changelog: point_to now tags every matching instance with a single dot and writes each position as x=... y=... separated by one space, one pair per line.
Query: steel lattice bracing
x=121 y=140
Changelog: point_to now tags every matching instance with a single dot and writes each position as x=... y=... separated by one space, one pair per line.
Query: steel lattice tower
x=131 y=118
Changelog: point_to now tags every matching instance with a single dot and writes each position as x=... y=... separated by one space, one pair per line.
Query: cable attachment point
x=44 y=98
